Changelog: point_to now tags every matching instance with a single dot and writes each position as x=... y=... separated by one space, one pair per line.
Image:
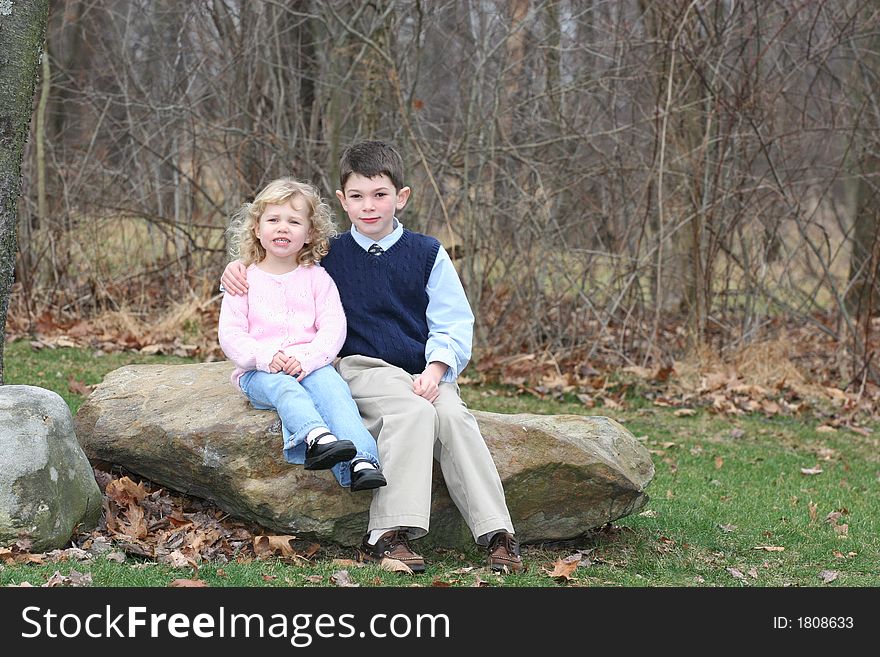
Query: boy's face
x=371 y=204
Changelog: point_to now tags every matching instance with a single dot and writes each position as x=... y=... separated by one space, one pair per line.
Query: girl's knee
x=325 y=378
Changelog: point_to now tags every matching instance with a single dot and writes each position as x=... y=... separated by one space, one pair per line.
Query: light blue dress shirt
x=449 y=315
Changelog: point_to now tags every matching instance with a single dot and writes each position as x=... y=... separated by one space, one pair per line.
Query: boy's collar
x=386 y=242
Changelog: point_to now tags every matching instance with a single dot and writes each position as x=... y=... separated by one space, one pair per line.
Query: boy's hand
x=427 y=384
x=234 y=278
x=279 y=361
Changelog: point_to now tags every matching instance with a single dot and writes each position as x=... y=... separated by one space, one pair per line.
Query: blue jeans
x=321 y=400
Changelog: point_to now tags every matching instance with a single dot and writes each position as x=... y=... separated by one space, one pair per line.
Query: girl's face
x=284 y=229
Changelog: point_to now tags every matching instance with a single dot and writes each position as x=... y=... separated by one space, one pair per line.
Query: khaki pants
x=410 y=432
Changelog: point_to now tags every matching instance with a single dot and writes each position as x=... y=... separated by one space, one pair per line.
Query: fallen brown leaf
x=310 y=550
x=274 y=545
x=348 y=563
x=189 y=583
x=136 y=526
x=125 y=492
x=562 y=569
x=812 y=471
x=75 y=578
x=828 y=575
x=342 y=578
x=178 y=559
x=769 y=548
x=78 y=387
x=72 y=553
x=394 y=566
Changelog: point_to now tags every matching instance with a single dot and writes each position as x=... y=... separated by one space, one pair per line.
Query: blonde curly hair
x=243 y=242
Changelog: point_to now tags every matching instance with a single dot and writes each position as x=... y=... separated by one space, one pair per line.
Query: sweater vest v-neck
x=384 y=297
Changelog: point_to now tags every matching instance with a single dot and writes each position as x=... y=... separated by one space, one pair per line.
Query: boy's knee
x=451 y=409
x=422 y=410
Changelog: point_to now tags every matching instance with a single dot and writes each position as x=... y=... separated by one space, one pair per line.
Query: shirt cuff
x=264 y=358
x=445 y=356
x=309 y=361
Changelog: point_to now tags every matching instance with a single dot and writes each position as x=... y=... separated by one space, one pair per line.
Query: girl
x=283 y=334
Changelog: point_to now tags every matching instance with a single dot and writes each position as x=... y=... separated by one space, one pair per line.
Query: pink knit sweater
x=298 y=313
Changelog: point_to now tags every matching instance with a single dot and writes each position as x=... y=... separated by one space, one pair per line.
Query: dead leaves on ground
x=188 y=583
x=283 y=547
x=840 y=528
x=343 y=579
x=563 y=569
x=180 y=532
x=773 y=377
x=789 y=370
x=153 y=524
x=145 y=521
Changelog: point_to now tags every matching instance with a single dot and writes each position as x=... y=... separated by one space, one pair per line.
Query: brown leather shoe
x=504 y=553
x=392 y=545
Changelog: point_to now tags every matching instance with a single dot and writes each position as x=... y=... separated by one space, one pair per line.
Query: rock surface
x=47 y=486
x=184 y=427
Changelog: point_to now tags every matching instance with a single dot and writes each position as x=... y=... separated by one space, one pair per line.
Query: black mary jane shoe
x=366 y=478
x=324 y=457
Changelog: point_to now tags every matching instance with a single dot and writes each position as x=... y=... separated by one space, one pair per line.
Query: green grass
x=723 y=490
x=62 y=368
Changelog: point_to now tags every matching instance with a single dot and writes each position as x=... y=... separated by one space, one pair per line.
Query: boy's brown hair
x=371 y=159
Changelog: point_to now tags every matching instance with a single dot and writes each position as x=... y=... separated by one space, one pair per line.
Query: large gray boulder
x=47 y=486
x=185 y=427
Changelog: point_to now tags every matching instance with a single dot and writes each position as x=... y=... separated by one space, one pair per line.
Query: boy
x=409 y=337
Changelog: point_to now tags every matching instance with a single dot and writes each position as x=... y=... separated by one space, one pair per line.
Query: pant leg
x=333 y=401
x=285 y=395
x=405 y=426
x=467 y=465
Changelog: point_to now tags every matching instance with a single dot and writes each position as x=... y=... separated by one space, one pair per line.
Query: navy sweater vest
x=384 y=297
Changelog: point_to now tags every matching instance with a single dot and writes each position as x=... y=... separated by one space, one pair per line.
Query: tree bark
x=22 y=29
x=863 y=298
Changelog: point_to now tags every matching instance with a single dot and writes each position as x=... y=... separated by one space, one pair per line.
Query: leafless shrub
x=598 y=169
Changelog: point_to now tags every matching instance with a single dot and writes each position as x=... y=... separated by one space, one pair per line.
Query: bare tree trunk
x=22 y=28
x=862 y=294
x=40 y=138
